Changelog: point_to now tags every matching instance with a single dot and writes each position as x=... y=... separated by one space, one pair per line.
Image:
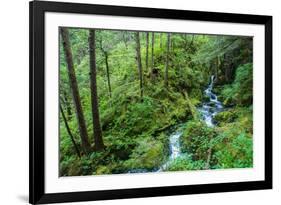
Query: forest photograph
x=150 y=102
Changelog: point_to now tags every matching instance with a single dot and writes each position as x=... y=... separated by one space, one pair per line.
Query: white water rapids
x=208 y=110
x=174 y=146
x=212 y=107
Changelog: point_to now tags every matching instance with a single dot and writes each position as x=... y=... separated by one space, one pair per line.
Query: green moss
x=196 y=139
x=102 y=170
x=196 y=95
x=226 y=116
x=149 y=154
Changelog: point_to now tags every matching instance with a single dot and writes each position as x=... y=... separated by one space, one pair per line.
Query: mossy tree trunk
x=106 y=56
x=67 y=104
x=167 y=60
x=69 y=132
x=147 y=51
x=107 y=73
x=152 y=58
x=99 y=145
x=160 y=40
x=138 y=58
x=75 y=91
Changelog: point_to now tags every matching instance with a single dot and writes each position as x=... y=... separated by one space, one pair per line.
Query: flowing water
x=212 y=107
x=208 y=110
x=174 y=146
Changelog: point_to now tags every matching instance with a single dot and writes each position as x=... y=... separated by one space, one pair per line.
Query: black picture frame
x=37 y=11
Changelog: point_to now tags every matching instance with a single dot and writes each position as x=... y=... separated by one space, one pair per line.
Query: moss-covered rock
x=225 y=116
x=196 y=139
x=149 y=154
x=102 y=170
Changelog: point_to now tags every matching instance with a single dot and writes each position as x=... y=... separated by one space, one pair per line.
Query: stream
x=174 y=148
x=212 y=107
x=208 y=110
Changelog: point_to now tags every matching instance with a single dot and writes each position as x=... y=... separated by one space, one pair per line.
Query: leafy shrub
x=233 y=147
x=226 y=116
x=240 y=92
x=235 y=153
x=185 y=162
x=149 y=154
x=196 y=139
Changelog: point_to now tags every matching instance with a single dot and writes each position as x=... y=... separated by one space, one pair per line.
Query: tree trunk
x=138 y=58
x=105 y=53
x=167 y=59
x=172 y=44
x=160 y=40
x=124 y=33
x=69 y=132
x=217 y=67
x=99 y=145
x=147 y=51
x=228 y=66
x=152 y=57
x=67 y=105
x=191 y=42
x=220 y=68
x=209 y=155
x=107 y=73
x=75 y=91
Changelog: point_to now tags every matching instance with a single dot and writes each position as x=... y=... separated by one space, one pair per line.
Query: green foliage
x=226 y=116
x=235 y=152
x=240 y=92
x=234 y=144
x=231 y=142
x=136 y=130
x=217 y=46
x=148 y=155
x=196 y=139
x=185 y=162
x=137 y=117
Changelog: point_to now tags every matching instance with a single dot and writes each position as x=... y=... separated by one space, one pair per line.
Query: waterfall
x=213 y=106
x=174 y=147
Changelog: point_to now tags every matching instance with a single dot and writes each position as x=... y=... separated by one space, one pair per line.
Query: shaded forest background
x=121 y=92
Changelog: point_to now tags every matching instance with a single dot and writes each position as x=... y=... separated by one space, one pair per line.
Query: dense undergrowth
x=135 y=129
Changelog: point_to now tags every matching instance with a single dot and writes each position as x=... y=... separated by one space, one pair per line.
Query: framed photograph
x=141 y=102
